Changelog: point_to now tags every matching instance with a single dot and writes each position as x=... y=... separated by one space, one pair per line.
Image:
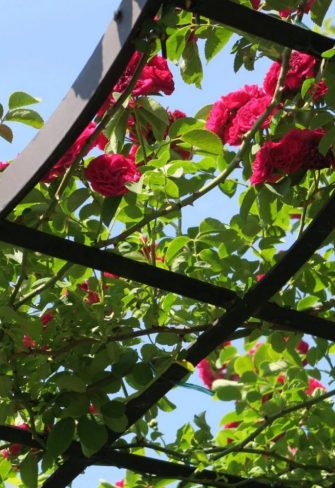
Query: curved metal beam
x=80 y=105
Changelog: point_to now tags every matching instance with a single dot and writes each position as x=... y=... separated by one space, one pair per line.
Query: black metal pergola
x=84 y=99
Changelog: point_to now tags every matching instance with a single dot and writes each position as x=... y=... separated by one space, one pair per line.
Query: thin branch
x=292 y=462
x=267 y=421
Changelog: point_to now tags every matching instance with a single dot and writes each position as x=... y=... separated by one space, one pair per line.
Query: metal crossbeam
x=302 y=250
x=282 y=318
x=80 y=105
x=261 y=25
x=73 y=115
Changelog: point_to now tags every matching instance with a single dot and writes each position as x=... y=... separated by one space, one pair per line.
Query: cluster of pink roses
x=298 y=149
x=209 y=374
x=234 y=115
x=108 y=174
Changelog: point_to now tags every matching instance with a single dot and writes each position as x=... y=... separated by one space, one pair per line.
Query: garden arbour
x=74 y=115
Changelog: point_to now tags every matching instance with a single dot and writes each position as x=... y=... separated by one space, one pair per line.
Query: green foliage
x=78 y=345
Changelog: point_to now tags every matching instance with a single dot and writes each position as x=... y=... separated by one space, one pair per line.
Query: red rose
x=109 y=173
x=47 y=317
x=302 y=347
x=110 y=275
x=3 y=166
x=28 y=342
x=207 y=374
x=256 y=4
x=92 y=296
x=234 y=114
x=67 y=159
x=156 y=77
x=297 y=150
x=318 y=90
x=301 y=67
x=245 y=118
x=314 y=384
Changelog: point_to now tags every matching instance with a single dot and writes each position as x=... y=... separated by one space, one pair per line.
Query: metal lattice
x=80 y=105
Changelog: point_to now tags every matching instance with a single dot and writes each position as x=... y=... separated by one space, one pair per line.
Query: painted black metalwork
x=261 y=25
x=282 y=318
x=79 y=107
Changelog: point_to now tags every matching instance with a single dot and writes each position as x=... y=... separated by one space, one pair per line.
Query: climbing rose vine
x=254 y=166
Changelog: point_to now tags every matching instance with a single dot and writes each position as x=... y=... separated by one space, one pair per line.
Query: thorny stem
x=267 y=421
x=224 y=174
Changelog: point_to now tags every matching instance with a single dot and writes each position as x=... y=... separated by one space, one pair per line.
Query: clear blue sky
x=44 y=46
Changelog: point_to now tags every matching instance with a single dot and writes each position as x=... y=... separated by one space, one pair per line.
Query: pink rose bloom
x=67 y=159
x=256 y=4
x=234 y=114
x=3 y=166
x=156 y=77
x=297 y=150
x=206 y=373
x=120 y=483
x=110 y=275
x=245 y=118
x=302 y=347
x=109 y=173
x=318 y=90
x=47 y=317
x=313 y=385
x=301 y=67
x=28 y=342
x=92 y=296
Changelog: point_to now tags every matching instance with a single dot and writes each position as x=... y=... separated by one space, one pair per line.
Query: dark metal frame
x=73 y=115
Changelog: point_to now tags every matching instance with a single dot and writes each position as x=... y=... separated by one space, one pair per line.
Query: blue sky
x=44 y=46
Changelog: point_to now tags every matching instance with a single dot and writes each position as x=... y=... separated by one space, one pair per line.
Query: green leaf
x=113 y=409
x=77 y=198
x=248 y=199
x=227 y=393
x=176 y=42
x=307 y=302
x=319 y=10
x=25 y=116
x=306 y=86
x=190 y=66
x=117 y=424
x=205 y=140
x=109 y=209
x=217 y=38
x=5 y=386
x=60 y=437
x=116 y=130
x=6 y=132
x=91 y=434
x=329 y=53
x=174 y=247
x=21 y=99
x=165 y=405
x=243 y=364
x=29 y=471
x=70 y=382
x=327 y=141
